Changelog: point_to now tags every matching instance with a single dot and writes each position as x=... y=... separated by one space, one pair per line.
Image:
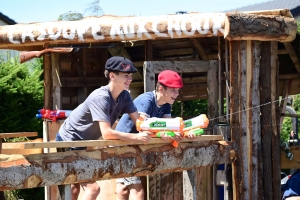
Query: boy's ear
x=111 y=75
x=160 y=88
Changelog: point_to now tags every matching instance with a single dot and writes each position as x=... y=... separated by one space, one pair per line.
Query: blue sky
x=27 y=11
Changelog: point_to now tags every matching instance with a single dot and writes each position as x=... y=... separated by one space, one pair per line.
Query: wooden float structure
x=219 y=55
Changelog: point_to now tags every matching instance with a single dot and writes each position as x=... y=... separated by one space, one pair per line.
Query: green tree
x=21 y=91
x=189 y=109
x=70 y=16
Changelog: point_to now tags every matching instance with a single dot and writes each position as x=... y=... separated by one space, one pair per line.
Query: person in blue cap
x=156 y=103
x=95 y=116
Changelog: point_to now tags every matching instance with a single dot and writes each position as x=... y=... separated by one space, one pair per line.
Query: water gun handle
x=168 y=133
x=196 y=131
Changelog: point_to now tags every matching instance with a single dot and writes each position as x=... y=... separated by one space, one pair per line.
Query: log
x=112 y=28
x=239 y=26
x=19 y=171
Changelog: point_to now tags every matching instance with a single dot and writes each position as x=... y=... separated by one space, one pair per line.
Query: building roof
x=292 y=5
x=6 y=19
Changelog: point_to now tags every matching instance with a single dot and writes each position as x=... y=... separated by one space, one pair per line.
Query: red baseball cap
x=170 y=79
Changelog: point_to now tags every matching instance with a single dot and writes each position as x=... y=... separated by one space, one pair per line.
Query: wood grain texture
x=240 y=26
x=109 y=163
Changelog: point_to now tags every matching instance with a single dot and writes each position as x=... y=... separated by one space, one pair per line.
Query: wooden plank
x=279 y=12
x=291 y=164
x=293 y=55
x=18 y=148
x=180 y=66
x=275 y=119
x=198 y=47
x=47 y=82
x=18 y=134
x=177 y=185
x=220 y=75
x=289 y=76
x=253 y=54
x=245 y=188
x=83 y=81
x=89 y=143
x=109 y=163
x=283 y=103
x=56 y=82
x=82 y=92
x=213 y=114
x=234 y=117
x=266 y=122
x=148 y=50
x=114 y=28
x=239 y=26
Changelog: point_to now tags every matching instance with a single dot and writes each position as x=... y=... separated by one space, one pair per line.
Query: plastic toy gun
x=159 y=126
x=195 y=125
x=53 y=114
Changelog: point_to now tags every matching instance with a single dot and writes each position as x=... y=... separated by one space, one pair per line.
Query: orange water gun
x=159 y=126
x=195 y=125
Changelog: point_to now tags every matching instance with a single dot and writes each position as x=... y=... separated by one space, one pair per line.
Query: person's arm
x=135 y=115
x=109 y=134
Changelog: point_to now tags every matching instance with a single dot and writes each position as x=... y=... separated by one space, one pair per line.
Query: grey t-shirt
x=83 y=122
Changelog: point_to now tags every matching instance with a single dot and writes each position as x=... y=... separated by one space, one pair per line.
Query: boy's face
x=122 y=80
x=170 y=94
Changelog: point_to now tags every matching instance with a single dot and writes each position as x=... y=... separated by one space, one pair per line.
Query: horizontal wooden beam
x=112 y=28
x=18 y=171
x=89 y=143
x=18 y=134
x=179 y=66
x=240 y=26
x=83 y=81
x=295 y=162
x=289 y=48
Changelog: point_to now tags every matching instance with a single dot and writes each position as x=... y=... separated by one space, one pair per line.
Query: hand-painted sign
x=111 y=28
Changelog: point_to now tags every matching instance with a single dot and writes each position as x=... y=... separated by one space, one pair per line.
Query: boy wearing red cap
x=96 y=115
x=156 y=103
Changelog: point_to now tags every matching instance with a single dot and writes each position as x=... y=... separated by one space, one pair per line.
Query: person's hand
x=177 y=136
x=191 y=135
x=144 y=136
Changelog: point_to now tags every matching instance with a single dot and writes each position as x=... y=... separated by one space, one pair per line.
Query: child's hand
x=191 y=135
x=144 y=136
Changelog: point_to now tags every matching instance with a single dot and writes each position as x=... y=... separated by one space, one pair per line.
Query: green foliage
x=21 y=91
x=190 y=108
x=287 y=122
x=298 y=26
x=32 y=193
x=70 y=16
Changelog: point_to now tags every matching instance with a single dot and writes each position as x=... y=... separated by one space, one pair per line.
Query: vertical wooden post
x=81 y=69
x=48 y=101
x=243 y=120
x=148 y=50
x=213 y=114
x=56 y=81
x=253 y=53
x=269 y=121
x=275 y=119
x=234 y=117
x=203 y=184
x=220 y=73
